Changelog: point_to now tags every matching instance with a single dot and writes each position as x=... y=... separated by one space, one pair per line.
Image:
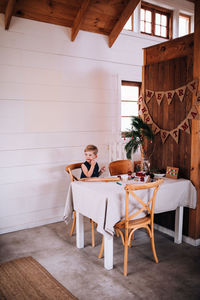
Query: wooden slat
x=9 y=12
x=79 y=18
x=127 y=12
x=182 y=46
x=194 y=215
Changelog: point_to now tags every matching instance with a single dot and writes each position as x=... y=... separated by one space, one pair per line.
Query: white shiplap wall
x=56 y=96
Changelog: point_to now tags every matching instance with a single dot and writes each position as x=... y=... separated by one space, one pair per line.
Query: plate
x=159 y=175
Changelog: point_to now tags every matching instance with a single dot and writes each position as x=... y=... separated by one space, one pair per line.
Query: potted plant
x=139 y=135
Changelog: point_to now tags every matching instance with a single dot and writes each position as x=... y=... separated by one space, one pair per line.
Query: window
x=155 y=20
x=129 y=24
x=130 y=92
x=184 y=24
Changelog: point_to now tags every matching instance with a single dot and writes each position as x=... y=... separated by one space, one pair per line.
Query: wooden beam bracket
x=9 y=12
x=79 y=18
x=127 y=12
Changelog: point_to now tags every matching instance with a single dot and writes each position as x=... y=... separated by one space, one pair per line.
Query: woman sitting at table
x=90 y=167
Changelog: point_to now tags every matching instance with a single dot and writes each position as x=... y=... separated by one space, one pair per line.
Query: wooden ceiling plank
x=126 y=13
x=9 y=12
x=79 y=18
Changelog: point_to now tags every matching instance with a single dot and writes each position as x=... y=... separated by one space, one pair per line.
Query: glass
x=142 y=26
x=148 y=28
x=146 y=165
x=183 y=25
x=128 y=25
x=129 y=92
x=129 y=109
x=148 y=16
x=157 y=30
x=125 y=123
x=163 y=20
x=142 y=14
x=157 y=18
x=163 y=31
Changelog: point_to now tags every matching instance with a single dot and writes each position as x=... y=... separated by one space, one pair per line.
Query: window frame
x=129 y=83
x=161 y=10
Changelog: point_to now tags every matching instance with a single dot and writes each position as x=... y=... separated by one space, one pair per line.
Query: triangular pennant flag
x=164 y=134
x=193 y=114
x=192 y=86
x=140 y=99
x=155 y=129
x=181 y=92
x=169 y=95
x=144 y=109
x=185 y=126
x=149 y=95
x=198 y=98
x=175 y=134
x=159 y=96
x=140 y=102
x=148 y=119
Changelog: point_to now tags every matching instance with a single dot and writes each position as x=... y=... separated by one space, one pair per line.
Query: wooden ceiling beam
x=127 y=12
x=79 y=18
x=9 y=12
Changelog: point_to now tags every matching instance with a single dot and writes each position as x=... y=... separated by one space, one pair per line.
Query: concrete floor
x=177 y=276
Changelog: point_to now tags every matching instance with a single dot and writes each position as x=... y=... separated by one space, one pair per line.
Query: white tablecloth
x=104 y=202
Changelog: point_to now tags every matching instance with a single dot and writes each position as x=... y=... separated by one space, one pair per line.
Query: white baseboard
x=170 y=232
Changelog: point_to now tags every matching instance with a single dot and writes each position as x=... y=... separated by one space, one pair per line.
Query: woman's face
x=89 y=156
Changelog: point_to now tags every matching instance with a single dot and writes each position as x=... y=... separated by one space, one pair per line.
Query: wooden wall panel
x=47 y=85
x=163 y=76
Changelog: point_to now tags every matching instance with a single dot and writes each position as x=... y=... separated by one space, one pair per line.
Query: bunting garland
x=192 y=87
x=184 y=125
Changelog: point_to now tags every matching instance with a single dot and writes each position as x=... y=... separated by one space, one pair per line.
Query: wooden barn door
x=164 y=76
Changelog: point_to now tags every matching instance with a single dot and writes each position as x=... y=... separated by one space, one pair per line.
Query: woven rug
x=26 y=279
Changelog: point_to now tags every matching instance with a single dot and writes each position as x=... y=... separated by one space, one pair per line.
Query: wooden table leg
x=108 y=253
x=178 y=225
x=79 y=230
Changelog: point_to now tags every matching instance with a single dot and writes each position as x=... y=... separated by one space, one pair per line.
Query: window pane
x=183 y=25
x=128 y=25
x=129 y=109
x=164 y=20
x=157 y=18
x=148 y=16
x=148 y=28
x=129 y=92
x=142 y=26
x=142 y=14
x=163 y=31
x=125 y=124
x=157 y=30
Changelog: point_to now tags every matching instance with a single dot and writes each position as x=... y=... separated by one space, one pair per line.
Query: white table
x=104 y=202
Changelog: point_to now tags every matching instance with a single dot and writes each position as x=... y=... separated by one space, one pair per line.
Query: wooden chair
x=118 y=167
x=130 y=224
x=69 y=169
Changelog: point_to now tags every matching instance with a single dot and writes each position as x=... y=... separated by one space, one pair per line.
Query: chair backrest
x=147 y=208
x=118 y=167
x=71 y=167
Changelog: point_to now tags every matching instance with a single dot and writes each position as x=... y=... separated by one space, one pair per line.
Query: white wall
x=56 y=96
